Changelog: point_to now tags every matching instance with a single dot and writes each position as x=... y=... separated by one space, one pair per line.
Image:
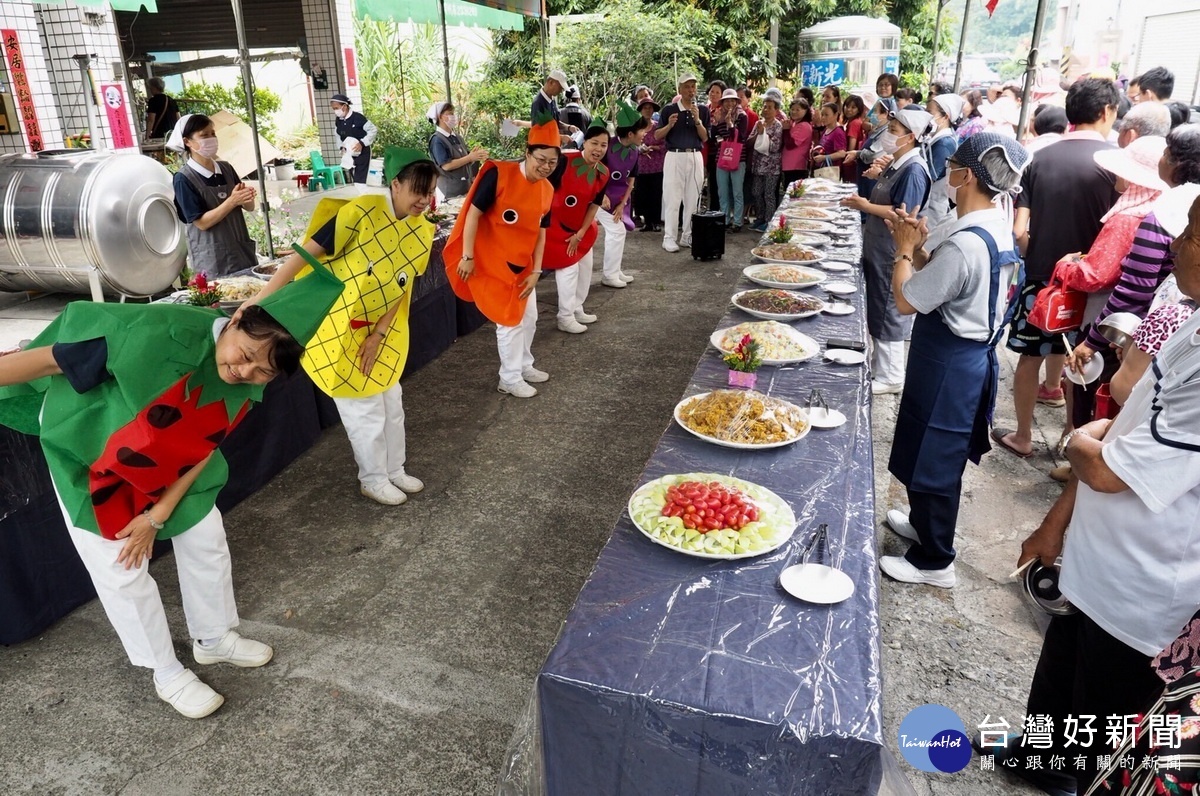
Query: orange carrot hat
x=544 y=131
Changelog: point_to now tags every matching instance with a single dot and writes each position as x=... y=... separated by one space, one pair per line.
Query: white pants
x=516 y=343
x=614 y=244
x=375 y=426
x=683 y=178
x=887 y=361
x=130 y=596
x=574 y=282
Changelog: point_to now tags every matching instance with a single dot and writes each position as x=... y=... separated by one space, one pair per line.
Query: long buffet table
x=41 y=576
x=681 y=675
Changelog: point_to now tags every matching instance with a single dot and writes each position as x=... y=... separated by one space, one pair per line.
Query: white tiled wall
x=65 y=33
x=329 y=26
x=21 y=17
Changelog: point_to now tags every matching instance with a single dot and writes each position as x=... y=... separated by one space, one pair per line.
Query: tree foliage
x=201 y=97
x=404 y=74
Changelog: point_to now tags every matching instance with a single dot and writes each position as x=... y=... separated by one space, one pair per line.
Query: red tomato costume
x=580 y=185
x=504 y=240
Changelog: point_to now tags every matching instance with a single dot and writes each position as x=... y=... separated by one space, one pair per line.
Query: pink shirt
x=796 y=144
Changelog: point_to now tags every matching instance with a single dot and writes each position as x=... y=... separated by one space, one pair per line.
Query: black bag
x=708 y=235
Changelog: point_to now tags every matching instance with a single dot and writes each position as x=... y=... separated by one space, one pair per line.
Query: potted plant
x=743 y=360
x=202 y=293
x=797 y=190
x=781 y=233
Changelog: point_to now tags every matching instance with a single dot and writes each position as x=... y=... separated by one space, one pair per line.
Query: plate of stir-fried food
x=743 y=419
x=777 y=305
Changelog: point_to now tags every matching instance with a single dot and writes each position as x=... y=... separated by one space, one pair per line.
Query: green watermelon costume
x=114 y=449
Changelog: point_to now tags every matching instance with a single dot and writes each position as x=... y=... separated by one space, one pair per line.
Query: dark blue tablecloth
x=680 y=675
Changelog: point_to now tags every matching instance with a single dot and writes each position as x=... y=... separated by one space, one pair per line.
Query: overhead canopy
x=189 y=25
x=457 y=13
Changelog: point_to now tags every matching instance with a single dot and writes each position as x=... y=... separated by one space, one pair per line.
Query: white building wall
x=329 y=25
x=21 y=16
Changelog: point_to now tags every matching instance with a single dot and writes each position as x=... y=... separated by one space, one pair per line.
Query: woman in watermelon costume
x=131 y=402
x=494 y=254
x=378 y=244
x=578 y=182
x=616 y=216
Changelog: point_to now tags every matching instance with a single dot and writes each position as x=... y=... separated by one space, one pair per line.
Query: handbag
x=829 y=172
x=1057 y=307
x=762 y=144
x=729 y=156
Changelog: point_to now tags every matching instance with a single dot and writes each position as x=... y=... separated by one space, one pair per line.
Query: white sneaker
x=232 y=648
x=883 y=388
x=519 y=390
x=686 y=243
x=408 y=484
x=898 y=522
x=670 y=246
x=899 y=569
x=187 y=694
x=625 y=277
x=386 y=494
x=617 y=283
x=571 y=326
x=583 y=317
x=534 y=376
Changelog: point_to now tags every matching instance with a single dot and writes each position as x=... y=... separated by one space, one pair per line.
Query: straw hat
x=1136 y=163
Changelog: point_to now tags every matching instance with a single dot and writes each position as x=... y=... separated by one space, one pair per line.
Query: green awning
x=117 y=5
x=458 y=12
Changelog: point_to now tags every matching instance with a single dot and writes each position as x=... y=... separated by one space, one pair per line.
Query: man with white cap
x=684 y=128
x=545 y=106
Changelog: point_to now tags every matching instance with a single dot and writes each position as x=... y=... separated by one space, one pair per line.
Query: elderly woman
x=959 y=296
x=456 y=165
x=768 y=160
x=904 y=183
x=647 y=194
x=730 y=123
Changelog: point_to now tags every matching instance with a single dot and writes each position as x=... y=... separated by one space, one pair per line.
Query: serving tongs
x=817 y=398
x=811 y=579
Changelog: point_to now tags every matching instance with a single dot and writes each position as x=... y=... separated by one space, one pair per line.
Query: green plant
x=781 y=233
x=746 y=356
x=201 y=292
x=287 y=226
x=209 y=98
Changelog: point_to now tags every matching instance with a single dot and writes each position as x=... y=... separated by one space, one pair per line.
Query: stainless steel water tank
x=71 y=209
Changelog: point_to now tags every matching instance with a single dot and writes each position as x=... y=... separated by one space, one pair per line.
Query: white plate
x=1091 y=372
x=835 y=265
x=765 y=499
x=812 y=347
x=844 y=356
x=816 y=583
x=838 y=308
x=810 y=239
x=770 y=316
x=825 y=418
x=841 y=288
x=817 y=213
x=752 y=272
x=746 y=446
x=818 y=257
x=817 y=226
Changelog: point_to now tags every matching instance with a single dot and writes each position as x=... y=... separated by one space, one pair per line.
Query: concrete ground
x=407 y=639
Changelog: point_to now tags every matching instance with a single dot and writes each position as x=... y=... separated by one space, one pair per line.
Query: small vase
x=739 y=379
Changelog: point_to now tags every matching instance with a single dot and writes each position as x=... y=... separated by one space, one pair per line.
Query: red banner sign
x=118 y=117
x=20 y=81
x=351 y=68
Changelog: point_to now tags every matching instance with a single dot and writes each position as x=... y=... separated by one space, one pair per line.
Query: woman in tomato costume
x=579 y=183
x=494 y=253
x=130 y=402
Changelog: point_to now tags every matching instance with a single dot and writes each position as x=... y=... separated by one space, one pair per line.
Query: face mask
x=208 y=147
x=874 y=119
x=951 y=190
x=340 y=113
x=889 y=143
x=452 y=121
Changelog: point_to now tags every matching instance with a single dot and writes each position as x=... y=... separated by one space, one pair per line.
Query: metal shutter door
x=1170 y=40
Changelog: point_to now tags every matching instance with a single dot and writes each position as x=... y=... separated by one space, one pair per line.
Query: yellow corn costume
x=379 y=258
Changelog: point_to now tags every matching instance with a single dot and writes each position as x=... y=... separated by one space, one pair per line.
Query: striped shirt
x=1148 y=263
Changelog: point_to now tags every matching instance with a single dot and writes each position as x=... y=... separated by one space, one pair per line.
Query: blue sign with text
x=891 y=64
x=819 y=74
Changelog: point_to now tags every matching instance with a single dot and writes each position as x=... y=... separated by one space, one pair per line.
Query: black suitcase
x=708 y=235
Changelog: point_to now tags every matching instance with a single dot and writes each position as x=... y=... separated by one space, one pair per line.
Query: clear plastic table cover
x=681 y=675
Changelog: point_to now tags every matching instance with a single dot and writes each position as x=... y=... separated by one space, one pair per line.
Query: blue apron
x=949 y=394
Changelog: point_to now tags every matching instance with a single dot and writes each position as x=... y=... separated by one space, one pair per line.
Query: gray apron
x=225 y=248
x=884 y=321
x=458 y=181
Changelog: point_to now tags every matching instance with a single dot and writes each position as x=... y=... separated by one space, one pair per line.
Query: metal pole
x=962 y=43
x=1039 y=22
x=445 y=50
x=774 y=35
x=95 y=134
x=937 y=29
x=248 y=87
x=543 y=24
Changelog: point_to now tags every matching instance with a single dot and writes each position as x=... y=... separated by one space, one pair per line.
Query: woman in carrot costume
x=494 y=254
x=579 y=183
